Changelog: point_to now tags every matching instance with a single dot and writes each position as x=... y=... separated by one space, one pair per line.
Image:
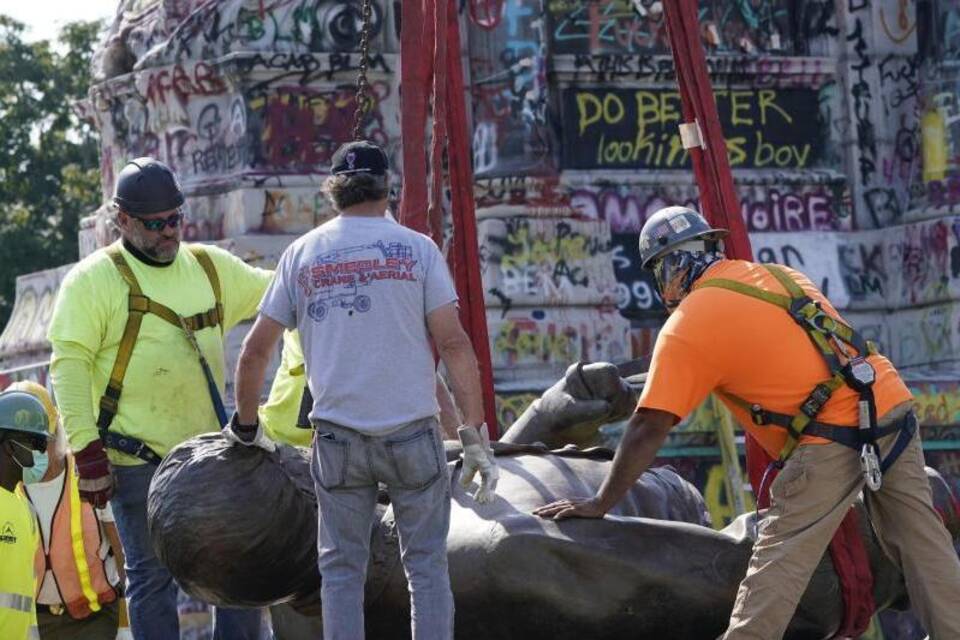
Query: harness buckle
x=139 y=452
x=758 y=415
x=815 y=401
x=870 y=465
x=138 y=303
x=859 y=374
x=108 y=404
x=804 y=310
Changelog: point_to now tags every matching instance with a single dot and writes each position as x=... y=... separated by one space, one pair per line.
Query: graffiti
x=617 y=128
x=944 y=193
x=511 y=406
x=813 y=254
x=199 y=79
x=782 y=72
x=864 y=272
x=899 y=79
x=804 y=208
x=509 y=90
x=924 y=336
x=25 y=333
x=937 y=403
x=862 y=97
x=216 y=29
x=637 y=294
x=532 y=192
x=303 y=127
x=544 y=341
x=897 y=20
x=622 y=26
x=307 y=67
x=546 y=262
x=921 y=257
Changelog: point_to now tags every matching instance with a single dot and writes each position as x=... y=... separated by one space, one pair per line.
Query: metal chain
x=364 y=101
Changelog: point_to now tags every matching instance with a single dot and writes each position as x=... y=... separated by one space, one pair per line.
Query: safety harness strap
x=206 y=263
x=137 y=306
x=821 y=328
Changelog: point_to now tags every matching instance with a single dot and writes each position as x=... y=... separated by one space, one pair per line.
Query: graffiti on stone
x=623 y=128
x=538 y=344
x=622 y=26
x=546 y=261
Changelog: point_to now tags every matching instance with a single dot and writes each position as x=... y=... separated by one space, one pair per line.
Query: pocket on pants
x=330 y=460
x=415 y=459
x=791 y=481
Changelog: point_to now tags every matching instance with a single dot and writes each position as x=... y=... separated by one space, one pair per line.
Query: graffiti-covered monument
x=839 y=117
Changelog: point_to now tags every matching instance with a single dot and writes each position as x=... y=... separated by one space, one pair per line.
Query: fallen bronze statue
x=236 y=527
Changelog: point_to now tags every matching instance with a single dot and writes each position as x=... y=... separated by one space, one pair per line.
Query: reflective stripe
x=33 y=633
x=76 y=541
x=16 y=602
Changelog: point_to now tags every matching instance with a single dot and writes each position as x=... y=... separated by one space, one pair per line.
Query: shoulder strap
x=748 y=290
x=137 y=306
x=208 y=268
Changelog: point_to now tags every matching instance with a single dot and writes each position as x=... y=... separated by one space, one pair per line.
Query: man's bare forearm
x=463 y=371
x=642 y=439
x=251 y=371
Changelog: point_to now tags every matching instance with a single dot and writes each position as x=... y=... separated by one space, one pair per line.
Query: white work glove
x=478 y=456
x=248 y=435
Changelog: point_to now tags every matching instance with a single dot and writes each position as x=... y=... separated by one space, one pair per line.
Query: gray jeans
x=346 y=469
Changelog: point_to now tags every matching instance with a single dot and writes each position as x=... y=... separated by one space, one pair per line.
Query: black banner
x=637 y=128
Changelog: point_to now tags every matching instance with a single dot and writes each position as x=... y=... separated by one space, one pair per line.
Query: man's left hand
x=575 y=508
x=247 y=435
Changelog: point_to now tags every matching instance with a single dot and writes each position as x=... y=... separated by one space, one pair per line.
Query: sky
x=45 y=17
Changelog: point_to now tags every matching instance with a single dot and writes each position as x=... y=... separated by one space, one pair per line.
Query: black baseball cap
x=357 y=157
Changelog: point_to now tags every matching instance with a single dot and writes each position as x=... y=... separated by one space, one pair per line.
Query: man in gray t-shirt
x=367 y=296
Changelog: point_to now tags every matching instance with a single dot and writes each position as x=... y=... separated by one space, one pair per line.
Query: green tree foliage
x=49 y=167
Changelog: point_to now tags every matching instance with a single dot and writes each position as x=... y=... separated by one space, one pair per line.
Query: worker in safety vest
x=79 y=588
x=831 y=411
x=23 y=439
x=138 y=367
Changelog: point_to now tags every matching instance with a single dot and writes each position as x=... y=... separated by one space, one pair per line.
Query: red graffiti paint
x=486 y=14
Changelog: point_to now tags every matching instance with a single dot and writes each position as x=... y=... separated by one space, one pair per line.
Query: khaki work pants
x=808 y=500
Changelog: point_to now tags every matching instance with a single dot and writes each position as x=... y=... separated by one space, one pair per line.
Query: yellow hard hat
x=39 y=392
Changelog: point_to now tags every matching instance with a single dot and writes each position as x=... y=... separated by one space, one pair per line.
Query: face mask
x=34 y=474
x=676 y=272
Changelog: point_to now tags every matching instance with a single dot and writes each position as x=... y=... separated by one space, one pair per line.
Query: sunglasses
x=158 y=224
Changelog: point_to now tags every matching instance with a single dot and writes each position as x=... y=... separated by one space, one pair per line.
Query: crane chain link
x=364 y=100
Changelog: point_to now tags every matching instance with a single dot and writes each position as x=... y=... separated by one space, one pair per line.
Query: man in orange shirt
x=832 y=412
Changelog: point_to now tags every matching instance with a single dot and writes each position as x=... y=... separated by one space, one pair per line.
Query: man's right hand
x=96 y=476
x=478 y=457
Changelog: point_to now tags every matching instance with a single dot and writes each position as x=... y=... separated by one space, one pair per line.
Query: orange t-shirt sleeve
x=682 y=373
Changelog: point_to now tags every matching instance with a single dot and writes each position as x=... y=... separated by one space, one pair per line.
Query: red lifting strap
x=430 y=65
x=721 y=208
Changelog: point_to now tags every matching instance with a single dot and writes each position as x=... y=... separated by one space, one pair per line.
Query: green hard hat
x=20 y=411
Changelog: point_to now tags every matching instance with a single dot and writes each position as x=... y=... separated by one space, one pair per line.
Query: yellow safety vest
x=18 y=583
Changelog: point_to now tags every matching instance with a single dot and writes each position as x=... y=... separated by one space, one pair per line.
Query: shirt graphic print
x=338 y=281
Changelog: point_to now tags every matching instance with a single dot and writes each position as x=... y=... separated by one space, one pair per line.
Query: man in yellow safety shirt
x=831 y=411
x=23 y=437
x=126 y=330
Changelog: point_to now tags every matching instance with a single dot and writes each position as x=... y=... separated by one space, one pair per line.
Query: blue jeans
x=151 y=591
x=346 y=469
